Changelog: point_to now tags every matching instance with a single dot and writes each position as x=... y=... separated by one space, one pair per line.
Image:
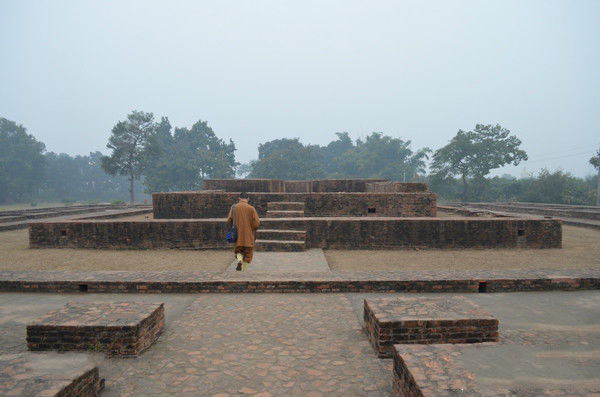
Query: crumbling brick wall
x=395 y=187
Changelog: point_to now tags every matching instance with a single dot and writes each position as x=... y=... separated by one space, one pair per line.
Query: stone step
x=285 y=206
x=277 y=234
x=284 y=214
x=279 y=245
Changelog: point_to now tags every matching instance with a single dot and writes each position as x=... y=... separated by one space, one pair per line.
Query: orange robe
x=246 y=222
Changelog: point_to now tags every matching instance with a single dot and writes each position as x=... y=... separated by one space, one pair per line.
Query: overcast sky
x=261 y=70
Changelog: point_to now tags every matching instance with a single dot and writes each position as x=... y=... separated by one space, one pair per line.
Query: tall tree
x=129 y=144
x=186 y=157
x=595 y=161
x=21 y=163
x=475 y=153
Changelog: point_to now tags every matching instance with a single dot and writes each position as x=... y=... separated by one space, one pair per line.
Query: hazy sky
x=261 y=70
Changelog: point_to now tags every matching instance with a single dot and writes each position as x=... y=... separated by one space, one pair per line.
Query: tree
x=21 y=163
x=382 y=156
x=595 y=161
x=130 y=144
x=181 y=160
x=287 y=159
x=475 y=153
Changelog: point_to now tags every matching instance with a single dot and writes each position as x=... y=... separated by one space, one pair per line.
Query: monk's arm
x=230 y=219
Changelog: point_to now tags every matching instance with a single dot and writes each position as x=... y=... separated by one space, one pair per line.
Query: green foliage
x=287 y=159
x=548 y=187
x=377 y=156
x=21 y=163
x=180 y=161
x=595 y=160
x=117 y=202
x=473 y=154
x=130 y=146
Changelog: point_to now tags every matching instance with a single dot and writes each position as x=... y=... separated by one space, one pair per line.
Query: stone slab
x=489 y=369
x=312 y=260
x=121 y=328
x=49 y=374
x=426 y=320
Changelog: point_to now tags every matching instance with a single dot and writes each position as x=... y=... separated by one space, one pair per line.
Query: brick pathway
x=312 y=260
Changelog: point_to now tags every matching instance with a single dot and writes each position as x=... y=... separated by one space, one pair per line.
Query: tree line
x=148 y=156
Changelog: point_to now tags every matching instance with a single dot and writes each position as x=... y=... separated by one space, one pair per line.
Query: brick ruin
x=296 y=215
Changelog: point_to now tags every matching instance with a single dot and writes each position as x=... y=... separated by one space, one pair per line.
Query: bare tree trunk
x=131 y=189
x=464 y=192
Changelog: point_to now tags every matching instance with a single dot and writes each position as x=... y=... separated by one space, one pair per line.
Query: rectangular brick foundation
x=216 y=204
x=326 y=233
x=50 y=375
x=124 y=328
x=390 y=321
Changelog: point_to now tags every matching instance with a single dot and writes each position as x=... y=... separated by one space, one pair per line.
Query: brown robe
x=246 y=222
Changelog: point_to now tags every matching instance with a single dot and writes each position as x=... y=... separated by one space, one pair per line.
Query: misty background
x=264 y=70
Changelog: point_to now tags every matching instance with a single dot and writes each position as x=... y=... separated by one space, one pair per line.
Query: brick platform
x=49 y=374
x=437 y=370
x=426 y=320
x=321 y=232
x=124 y=328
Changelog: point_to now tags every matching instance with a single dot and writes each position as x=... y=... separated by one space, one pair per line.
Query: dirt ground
x=16 y=255
x=581 y=249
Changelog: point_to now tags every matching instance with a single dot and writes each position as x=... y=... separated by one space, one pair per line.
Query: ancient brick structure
x=122 y=328
x=186 y=205
x=319 y=232
x=391 y=321
x=50 y=374
x=395 y=187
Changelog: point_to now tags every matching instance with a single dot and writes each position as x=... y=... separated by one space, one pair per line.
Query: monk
x=246 y=222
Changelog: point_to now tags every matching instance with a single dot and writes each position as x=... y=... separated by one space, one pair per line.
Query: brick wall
x=323 y=232
x=185 y=205
x=279 y=186
x=395 y=187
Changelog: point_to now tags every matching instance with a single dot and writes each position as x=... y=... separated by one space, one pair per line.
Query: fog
x=261 y=70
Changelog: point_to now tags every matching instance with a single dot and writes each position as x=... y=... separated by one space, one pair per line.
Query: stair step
x=285 y=214
x=281 y=234
x=279 y=245
x=285 y=206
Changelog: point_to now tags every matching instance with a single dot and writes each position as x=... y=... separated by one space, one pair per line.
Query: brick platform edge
x=441 y=320
x=87 y=385
x=116 y=339
x=205 y=282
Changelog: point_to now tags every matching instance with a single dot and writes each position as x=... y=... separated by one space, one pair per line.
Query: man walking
x=246 y=222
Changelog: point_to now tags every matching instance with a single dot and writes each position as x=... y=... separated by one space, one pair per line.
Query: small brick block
x=389 y=321
x=49 y=374
x=122 y=328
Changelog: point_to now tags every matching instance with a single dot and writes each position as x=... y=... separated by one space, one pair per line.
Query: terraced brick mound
x=122 y=328
x=390 y=321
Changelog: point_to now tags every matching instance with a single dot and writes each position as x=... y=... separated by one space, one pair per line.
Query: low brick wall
x=395 y=187
x=390 y=321
x=188 y=205
x=328 y=233
x=123 y=329
x=280 y=186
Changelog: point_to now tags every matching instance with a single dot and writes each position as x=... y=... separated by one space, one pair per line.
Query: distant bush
x=33 y=204
x=68 y=202
x=118 y=202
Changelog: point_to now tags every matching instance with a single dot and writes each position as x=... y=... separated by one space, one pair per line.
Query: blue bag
x=232 y=234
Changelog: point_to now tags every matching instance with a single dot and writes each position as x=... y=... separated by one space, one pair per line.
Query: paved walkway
x=312 y=260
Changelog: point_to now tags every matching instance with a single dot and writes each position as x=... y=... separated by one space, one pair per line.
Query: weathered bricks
x=321 y=232
x=390 y=321
x=471 y=281
x=216 y=204
x=395 y=187
x=122 y=328
x=50 y=374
